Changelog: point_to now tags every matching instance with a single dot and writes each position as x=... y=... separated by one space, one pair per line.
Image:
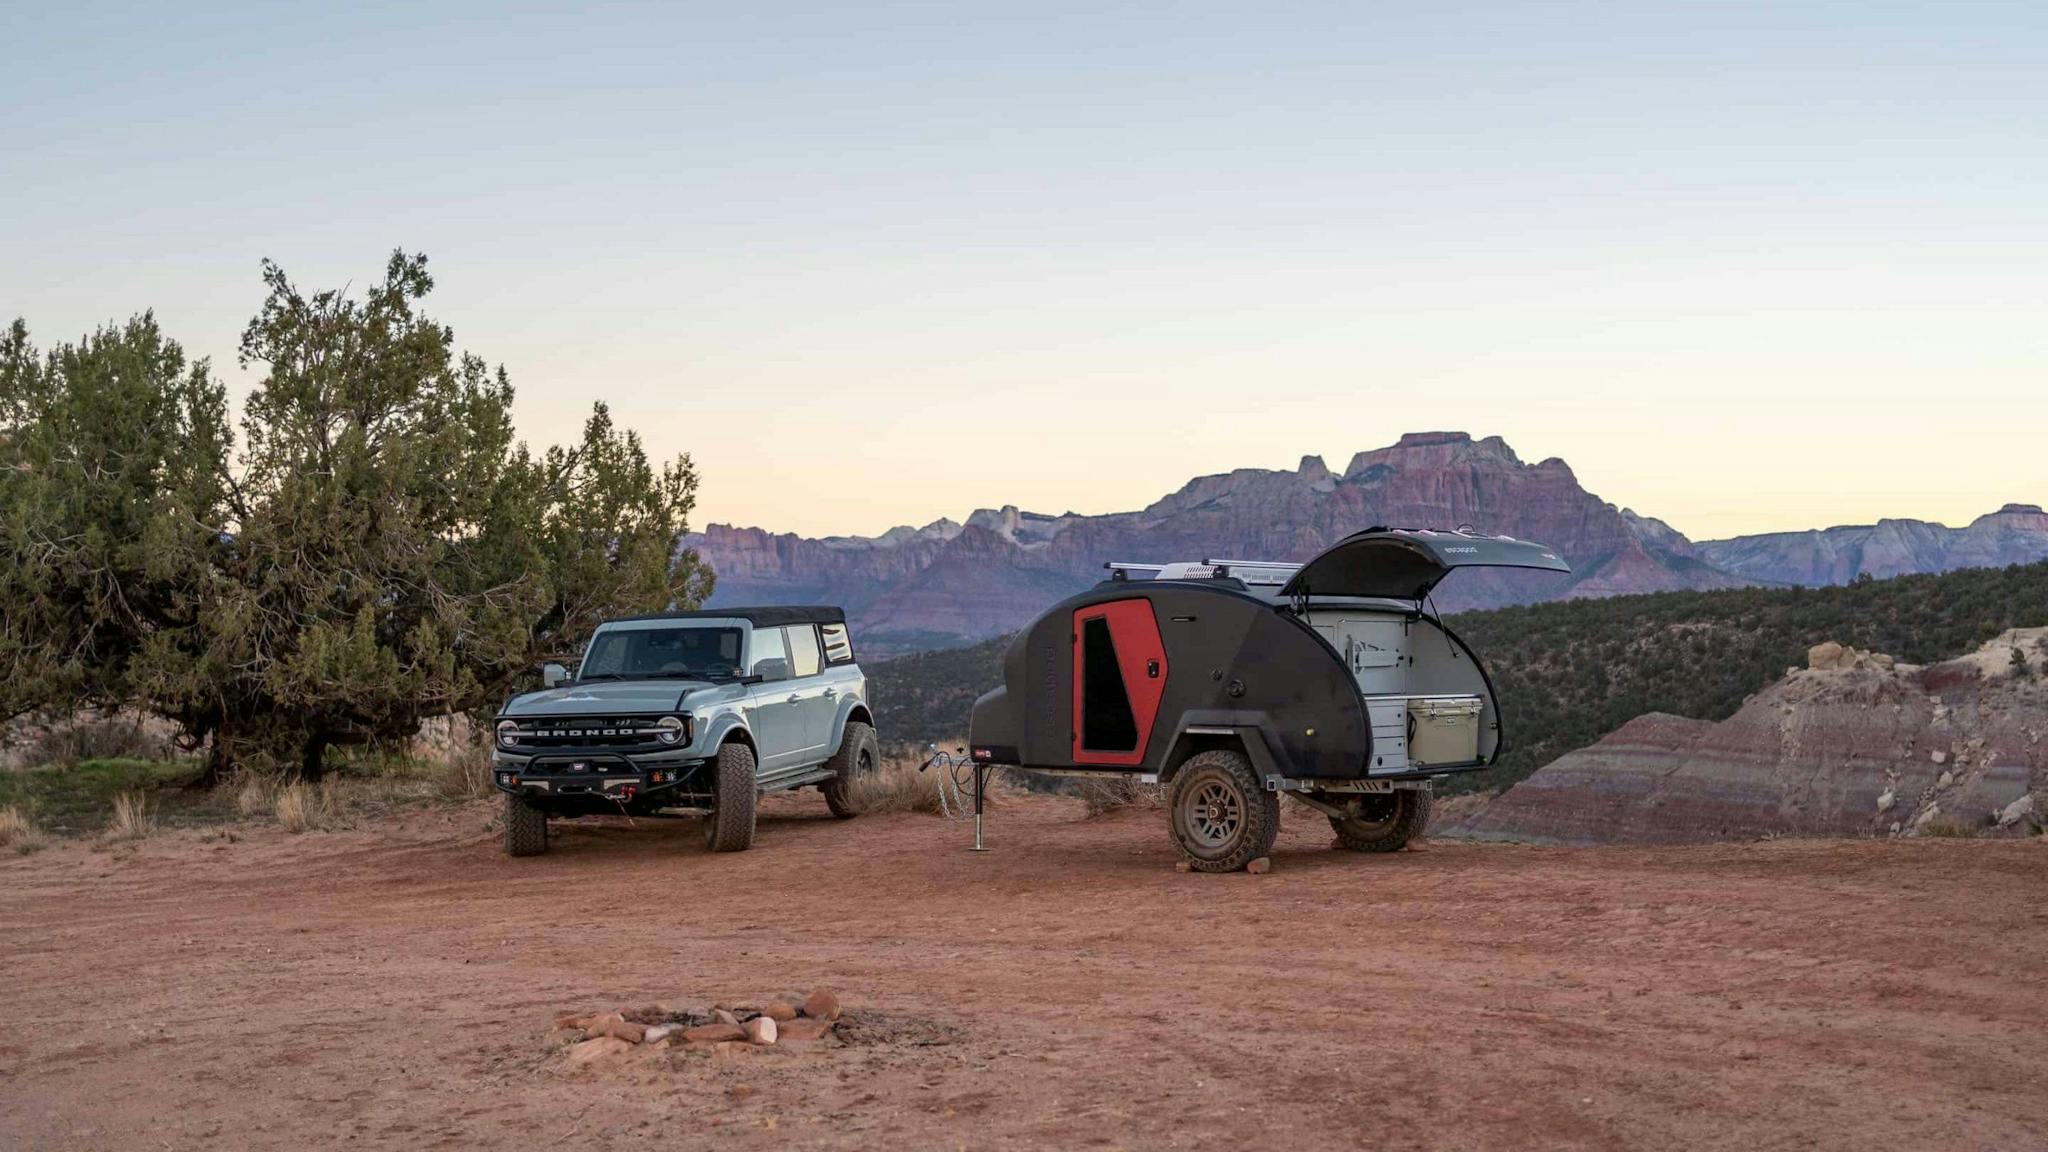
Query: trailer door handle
x=1152 y=669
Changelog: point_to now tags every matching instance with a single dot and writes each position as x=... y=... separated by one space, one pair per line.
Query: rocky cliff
x=1852 y=745
x=2015 y=534
x=950 y=582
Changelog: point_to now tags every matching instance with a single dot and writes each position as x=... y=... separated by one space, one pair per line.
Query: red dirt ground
x=1070 y=989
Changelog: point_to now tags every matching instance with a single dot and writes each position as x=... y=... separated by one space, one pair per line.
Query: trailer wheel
x=730 y=827
x=858 y=756
x=1220 y=815
x=1386 y=822
x=526 y=828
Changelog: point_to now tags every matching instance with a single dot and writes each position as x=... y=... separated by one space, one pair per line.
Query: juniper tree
x=381 y=550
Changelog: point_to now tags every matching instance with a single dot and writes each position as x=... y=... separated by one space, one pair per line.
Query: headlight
x=508 y=732
x=671 y=729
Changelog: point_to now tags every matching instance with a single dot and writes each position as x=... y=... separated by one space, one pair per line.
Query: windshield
x=628 y=653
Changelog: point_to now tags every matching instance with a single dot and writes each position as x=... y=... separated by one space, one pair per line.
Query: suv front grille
x=589 y=732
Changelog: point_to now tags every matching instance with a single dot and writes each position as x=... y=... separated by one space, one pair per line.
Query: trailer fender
x=1203 y=732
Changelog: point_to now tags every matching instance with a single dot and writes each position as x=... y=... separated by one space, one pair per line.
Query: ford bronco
x=689 y=714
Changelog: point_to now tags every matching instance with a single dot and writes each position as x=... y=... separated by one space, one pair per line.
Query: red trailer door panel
x=1119 y=676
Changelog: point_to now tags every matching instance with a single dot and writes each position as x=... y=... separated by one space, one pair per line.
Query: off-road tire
x=1387 y=823
x=859 y=754
x=526 y=828
x=730 y=827
x=1221 y=816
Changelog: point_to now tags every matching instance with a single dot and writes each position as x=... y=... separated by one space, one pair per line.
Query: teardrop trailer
x=1233 y=682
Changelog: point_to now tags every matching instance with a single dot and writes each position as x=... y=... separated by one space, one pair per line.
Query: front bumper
x=608 y=777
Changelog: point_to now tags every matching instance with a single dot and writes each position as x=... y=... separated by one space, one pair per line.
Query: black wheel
x=1221 y=816
x=1385 y=822
x=731 y=825
x=858 y=756
x=526 y=828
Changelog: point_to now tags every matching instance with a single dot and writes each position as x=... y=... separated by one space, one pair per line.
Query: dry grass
x=302 y=807
x=1118 y=794
x=1949 y=828
x=256 y=796
x=19 y=832
x=465 y=774
x=897 y=786
x=134 y=817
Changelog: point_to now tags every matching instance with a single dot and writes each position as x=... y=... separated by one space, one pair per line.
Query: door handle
x=829 y=693
x=795 y=696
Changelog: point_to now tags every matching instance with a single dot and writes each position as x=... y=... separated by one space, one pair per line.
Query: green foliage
x=79 y=796
x=381 y=550
x=1569 y=672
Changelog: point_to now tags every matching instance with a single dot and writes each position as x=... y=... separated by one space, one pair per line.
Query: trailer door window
x=1107 y=724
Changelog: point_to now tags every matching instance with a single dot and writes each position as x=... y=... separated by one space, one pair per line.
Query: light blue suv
x=689 y=714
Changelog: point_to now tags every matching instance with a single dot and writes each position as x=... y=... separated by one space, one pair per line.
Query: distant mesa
x=952 y=582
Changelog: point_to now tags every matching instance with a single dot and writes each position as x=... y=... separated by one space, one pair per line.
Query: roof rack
x=1244 y=571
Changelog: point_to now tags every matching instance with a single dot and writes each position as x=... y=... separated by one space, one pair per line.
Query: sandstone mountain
x=1852 y=745
x=949 y=583
x=2015 y=534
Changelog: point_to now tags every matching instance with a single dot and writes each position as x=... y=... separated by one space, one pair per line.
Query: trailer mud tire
x=1385 y=822
x=526 y=828
x=730 y=827
x=1220 y=815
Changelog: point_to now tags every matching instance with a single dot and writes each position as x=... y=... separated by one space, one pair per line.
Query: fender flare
x=723 y=728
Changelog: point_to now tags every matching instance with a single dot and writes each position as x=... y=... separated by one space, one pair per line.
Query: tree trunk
x=312 y=761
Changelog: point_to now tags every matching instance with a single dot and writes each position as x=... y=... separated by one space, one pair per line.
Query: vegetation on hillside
x=1569 y=672
x=377 y=550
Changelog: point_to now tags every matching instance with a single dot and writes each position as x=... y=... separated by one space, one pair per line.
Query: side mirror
x=771 y=669
x=553 y=675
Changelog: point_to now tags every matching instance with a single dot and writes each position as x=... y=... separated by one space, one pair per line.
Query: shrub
x=1117 y=793
x=134 y=817
x=897 y=786
x=1949 y=828
x=19 y=832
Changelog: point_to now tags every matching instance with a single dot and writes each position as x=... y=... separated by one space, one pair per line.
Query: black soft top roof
x=760 y=617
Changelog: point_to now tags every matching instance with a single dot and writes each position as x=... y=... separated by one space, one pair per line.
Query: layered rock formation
x=2015 y=534
x=1852 y=745
x=950 y=582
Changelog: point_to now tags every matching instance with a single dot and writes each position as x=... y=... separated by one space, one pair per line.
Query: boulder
x=2016 y=811
x=597 y=1049
x=1260 y=866
x=822 y=1005
x=1938 y=756
x=714 y=1033
x=804 y=1029
x=760 y=1030
x=623 y=1030
x=724 y=1016
x=659 y=1032
x=1826 y=655
x=780 y=1013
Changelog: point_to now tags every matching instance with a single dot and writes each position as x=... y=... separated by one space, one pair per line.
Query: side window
x=838 y=645
x=1107 y=724
x=767 y=645
x=803 y=649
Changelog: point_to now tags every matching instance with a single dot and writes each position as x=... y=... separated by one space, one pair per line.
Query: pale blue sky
x=1745 y=266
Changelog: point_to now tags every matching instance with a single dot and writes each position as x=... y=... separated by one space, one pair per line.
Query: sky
x=1747 y=267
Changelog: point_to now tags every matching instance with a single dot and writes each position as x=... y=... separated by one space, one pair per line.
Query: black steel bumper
x=608 y=780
